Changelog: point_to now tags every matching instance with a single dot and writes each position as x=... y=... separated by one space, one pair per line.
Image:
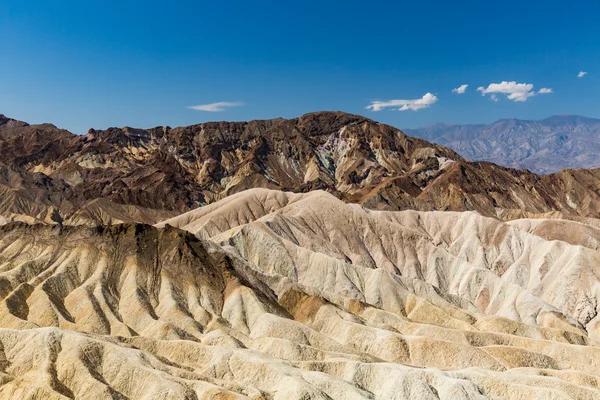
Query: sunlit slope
x=274 y=295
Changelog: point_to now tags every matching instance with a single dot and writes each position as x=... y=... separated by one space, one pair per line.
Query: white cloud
x=404 y=105
x=216 y=107
x=460 y=90
x=581 y=74
x=494 y=98
x=514 y=91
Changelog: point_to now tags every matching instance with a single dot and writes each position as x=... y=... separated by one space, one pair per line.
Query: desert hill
x=136 y=175
x=267 y=294
x=323 y=257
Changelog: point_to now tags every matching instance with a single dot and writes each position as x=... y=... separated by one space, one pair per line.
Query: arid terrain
x=323 y=257
x=546 y=146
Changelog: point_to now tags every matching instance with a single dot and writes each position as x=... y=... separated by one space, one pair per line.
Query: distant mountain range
x=546 y=146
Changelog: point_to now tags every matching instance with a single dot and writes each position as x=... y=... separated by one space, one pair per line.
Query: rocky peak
x=353 y=157
x=6 y=122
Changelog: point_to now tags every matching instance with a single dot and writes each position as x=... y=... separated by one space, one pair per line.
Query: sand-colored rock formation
x=397 y=270
x=273 y=295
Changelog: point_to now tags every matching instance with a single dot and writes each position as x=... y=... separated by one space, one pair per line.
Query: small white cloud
x=581 y=74
x=514 y=91
x=404 y=105
x=216 y=107
x=494 y=98
x=460 y=90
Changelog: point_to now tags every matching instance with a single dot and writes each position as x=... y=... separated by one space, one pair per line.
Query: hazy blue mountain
x=546 y=146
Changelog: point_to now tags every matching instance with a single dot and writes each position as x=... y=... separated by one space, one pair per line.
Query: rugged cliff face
x=134 y=175
x=179 y=169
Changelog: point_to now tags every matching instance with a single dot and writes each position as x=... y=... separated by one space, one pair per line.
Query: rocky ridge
x=52 y=176
x=546 y=146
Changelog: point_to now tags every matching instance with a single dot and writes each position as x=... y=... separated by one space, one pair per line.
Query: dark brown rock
x=49 y=171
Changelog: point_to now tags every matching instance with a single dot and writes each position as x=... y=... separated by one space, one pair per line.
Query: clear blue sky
x=82 y=64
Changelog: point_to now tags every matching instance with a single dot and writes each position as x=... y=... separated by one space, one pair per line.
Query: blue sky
x=99 y=64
